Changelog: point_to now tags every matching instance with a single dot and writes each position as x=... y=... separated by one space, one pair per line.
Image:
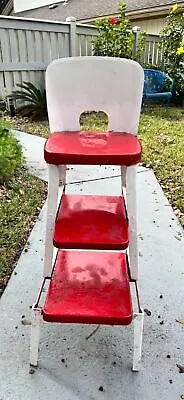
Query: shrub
x=32 y=100
x=116 y=37
x=10 y=154
x=172 y=44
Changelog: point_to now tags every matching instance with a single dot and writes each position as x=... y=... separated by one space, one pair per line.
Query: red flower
x=113 y=21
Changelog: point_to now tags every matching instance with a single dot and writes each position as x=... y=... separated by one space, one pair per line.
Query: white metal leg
x=138 y=333
x=52 y=199
x=132 y=218
x=62 y=175
x=35 y=334
x=123 y=176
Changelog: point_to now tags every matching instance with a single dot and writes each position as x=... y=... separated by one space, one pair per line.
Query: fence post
x=72 y=21
x=136 y=30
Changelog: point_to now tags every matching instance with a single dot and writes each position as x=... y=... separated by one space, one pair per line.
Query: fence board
x=30 y=45
x=46 y=47
x=32 y=24
x=89 y=45
x=84 y=45
x=39 y=47
x=87 y=30
x=54 y=45
x=66 y=45
x=14 y=50
x=23 y=55
x=6 y=56
x=152 y=53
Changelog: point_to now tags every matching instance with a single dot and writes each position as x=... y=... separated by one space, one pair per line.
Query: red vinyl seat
x=92 y=148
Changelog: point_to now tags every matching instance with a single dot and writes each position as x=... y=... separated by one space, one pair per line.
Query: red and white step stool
x=96 y=236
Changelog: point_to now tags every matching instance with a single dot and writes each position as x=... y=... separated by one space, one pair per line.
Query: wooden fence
x=27 y=46
x=152 y=53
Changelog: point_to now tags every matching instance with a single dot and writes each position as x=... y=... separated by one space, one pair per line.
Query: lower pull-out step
x=89 y=287
x=91 y=222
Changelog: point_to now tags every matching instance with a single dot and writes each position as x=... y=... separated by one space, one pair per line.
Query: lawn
x=161 y=132
x=20 y=203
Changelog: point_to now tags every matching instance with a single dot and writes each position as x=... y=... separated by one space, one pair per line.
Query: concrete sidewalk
x=72 y=367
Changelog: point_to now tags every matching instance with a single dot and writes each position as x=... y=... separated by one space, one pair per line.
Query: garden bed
x=162 y=135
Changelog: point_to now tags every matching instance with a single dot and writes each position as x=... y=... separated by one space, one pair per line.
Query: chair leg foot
x=138 y=333
x=35 y=333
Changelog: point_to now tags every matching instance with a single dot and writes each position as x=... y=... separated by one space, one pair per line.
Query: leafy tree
x=172 y=44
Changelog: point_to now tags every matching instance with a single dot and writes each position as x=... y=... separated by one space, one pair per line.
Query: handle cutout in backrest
x=94 y=121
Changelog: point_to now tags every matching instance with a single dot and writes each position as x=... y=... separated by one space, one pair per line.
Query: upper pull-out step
x=92 y=148
x=91 y=222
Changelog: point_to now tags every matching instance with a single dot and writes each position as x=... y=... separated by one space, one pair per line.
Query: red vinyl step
x=92 y=148
x=90 y=288
x=91 y=222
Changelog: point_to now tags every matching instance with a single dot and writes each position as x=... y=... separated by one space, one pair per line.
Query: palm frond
x=32 y=99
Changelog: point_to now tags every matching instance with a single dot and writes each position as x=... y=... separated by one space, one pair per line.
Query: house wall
x=151 y=26
x=22 y=5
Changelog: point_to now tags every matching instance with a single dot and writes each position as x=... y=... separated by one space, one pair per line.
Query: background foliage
x=10 y=154
x=172 y=43
x=116 y=37
x=32 y=100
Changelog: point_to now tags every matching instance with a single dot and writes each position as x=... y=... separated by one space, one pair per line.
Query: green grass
x=161 y=132
x=39 y=128
x=10 y=154
x=20 y=203
x=162 y=136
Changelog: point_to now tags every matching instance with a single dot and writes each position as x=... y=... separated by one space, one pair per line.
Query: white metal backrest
x=78 y=84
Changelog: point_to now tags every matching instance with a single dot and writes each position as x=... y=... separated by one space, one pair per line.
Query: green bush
x=116 y=37
x=10 y=154
x=172 y=45
x=32 y=100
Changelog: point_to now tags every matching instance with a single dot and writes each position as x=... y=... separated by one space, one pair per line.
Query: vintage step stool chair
x=96 y=236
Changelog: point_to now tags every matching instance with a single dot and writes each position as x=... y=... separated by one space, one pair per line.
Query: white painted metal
x=78 y=84
x=131 y=200
x=35 y=334
x=123 y=176
x=52 y=200
x=70 y=92
x=138 y=334
x=62 y=175
x=94 y=83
